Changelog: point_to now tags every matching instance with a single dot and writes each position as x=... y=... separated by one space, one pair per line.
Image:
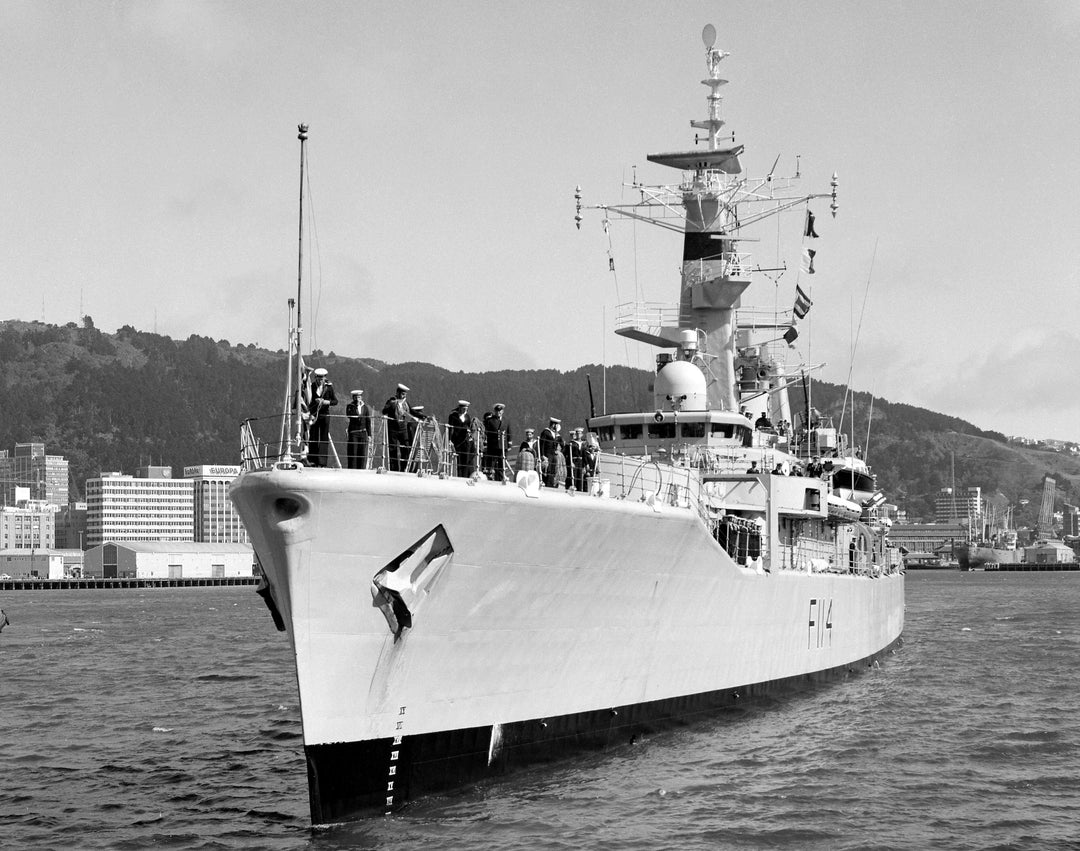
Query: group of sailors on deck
x=478 y=446
x=486 y=446
x=815 y=468
x=763 y=423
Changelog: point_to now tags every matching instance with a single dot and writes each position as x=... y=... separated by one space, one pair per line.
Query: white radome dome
x=680 y=378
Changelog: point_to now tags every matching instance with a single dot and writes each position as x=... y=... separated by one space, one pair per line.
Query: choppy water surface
x=169 y=718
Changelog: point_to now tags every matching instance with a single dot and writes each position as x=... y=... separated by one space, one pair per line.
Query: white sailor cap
x=403 y=387
x=358 y=392
x=499 y=406
x=555 y=421
x=321 y=371
x=461 y=403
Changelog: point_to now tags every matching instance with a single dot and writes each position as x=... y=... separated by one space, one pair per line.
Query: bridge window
x=630 y=432
x=662 y=431
x=693 y=429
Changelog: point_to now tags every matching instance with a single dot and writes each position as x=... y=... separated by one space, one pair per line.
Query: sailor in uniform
x=591 y=460
x=531 y=443
x=460 y=423
x=396 y=411
x=496 y=438
x=575 y=460
x=550 y=446
x=323 y=399
x=359 y=431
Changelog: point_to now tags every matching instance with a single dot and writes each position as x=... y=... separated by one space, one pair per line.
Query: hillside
x=116 y=401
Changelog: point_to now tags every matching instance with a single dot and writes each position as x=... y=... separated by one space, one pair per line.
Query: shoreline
x=127 y=582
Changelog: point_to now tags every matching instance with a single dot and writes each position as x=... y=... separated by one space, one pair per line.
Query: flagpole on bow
x=299 y=423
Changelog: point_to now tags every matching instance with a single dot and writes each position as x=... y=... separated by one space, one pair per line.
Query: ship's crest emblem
x=400 y=588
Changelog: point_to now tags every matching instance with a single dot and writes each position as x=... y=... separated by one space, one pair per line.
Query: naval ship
x=448 y=628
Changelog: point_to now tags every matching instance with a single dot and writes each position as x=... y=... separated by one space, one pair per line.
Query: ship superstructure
x=450 y=627
x=721 y=400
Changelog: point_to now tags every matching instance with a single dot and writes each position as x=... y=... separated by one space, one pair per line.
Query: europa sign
x=207 y=470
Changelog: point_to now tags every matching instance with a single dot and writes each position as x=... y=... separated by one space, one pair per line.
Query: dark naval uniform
x=461 y=428
x=323 y=399
x=550 y=447
x=496 y=438
x=396 y=411
x=359 y=433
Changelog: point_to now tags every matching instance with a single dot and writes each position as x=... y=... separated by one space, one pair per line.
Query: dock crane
x=1044 y=529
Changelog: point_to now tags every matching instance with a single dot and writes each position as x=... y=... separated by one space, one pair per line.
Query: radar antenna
x=713 y=57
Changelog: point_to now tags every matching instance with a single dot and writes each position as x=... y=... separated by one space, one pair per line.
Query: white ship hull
x=449 y=628
x=553 y=622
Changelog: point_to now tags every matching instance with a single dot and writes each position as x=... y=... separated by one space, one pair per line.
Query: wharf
x=1034 y=566
x=128 y=582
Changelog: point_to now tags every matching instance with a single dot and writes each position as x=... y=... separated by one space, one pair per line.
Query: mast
x=713 y=202
x=302 y=136
x=713 y=56
x=714 y=276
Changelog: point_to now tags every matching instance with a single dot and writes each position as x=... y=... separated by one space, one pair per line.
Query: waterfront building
x=122 y=507
x=45 y=475
x=1049 y=552
x=216 y=520
x=28 y=525
x=928 y=542
x=169 y=560
x=41 y=564
x=961 y=505
x=71 y=526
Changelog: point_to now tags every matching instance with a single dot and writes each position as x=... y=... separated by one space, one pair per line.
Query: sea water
x=168 y=718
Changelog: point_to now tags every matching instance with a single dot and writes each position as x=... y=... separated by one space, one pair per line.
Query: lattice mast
x=714 y=274
x=716 y=202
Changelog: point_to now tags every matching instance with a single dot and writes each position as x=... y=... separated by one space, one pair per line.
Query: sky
x=152 y=179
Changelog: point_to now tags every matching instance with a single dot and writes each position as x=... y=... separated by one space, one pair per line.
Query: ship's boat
x=451 y=624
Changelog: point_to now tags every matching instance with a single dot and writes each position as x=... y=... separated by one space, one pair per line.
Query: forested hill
x=118 y=401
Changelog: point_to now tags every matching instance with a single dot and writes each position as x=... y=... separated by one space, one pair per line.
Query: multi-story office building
x=30 y=525
x=216 y=520
x=1070 y=520
x=30 y=467
x=129 y=508
x=71 y=526
x=959 y=506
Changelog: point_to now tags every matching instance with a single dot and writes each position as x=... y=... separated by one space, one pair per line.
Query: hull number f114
x=819 y=630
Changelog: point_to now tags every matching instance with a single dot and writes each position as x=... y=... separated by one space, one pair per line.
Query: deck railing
x=646 y=314
x=671 y=479
x=265 y=440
